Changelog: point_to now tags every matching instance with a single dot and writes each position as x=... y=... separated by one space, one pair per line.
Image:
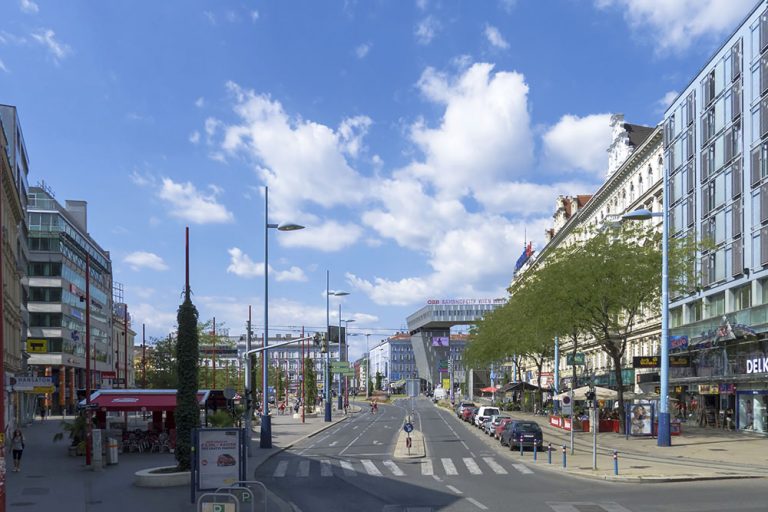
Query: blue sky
x=420 y=142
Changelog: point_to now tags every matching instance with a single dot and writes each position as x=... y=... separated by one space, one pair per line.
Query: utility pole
x=214 y=353
x=248 y=388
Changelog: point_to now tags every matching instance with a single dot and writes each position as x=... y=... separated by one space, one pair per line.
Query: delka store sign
x=757 y=365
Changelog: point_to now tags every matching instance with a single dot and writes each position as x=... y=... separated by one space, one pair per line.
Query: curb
x=418 y=450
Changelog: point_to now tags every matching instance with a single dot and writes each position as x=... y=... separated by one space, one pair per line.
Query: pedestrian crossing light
x=324 y=344
x=316 y=339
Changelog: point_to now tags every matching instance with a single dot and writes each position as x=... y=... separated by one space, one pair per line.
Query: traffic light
x=316 y=339
x=324 y=345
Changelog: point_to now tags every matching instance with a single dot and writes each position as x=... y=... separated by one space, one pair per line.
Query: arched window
x=640 y=184
x=631 y=192
x=650 y=175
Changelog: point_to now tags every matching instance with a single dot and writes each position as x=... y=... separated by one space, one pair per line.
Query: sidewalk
x=51 y=479
x=698 y=454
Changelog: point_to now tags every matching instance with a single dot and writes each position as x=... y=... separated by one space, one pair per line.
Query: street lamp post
x=327 y=384
x=664 y=434
x=367 y=365
x=265 y=439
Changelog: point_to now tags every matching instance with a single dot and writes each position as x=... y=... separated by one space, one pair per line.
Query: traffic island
x=418 y=448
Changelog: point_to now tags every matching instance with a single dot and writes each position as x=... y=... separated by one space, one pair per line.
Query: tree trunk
x=617 y=370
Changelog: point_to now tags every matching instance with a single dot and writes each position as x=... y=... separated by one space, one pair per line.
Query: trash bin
x=112 y=447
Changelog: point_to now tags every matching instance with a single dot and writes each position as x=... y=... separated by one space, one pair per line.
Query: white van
x=485 y=413
x=440 y=394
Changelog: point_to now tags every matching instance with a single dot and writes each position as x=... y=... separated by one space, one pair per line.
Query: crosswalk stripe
x=523 y=469
x=472 y=466
x=450 y=469
x=303 y=469
x=325 y=468
x=371 y=468
x=426 y=467
x=349 y=470
x=282 y=467
x=495 y=466
x=393 y=468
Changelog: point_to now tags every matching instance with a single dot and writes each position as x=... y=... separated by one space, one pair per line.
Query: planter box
x=146 y=478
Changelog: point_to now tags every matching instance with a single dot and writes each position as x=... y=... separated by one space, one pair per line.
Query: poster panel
x=219 y=457
x=640 y=419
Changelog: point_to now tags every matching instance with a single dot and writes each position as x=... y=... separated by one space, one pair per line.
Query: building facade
x=14 y=168
x=58 y=244
x=716 y=155
x=633 y=181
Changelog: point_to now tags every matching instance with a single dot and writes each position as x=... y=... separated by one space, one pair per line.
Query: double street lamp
x=327 y=383
x=664 y=433
x=342 y=355
x=265 y=439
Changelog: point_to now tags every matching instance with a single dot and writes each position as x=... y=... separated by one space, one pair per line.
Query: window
x=45 y=269
x=37 y=294
x=742 y=297
x=694 y=311
x=45 y=319
x=717 y=305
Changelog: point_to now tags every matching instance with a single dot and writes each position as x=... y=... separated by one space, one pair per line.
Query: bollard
x=564 y=461
x=535 y=444
x=521 y=446
x=549 y=453
x=615 y=462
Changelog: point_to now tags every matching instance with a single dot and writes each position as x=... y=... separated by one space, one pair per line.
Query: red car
x=500 y=427
x=466 y=414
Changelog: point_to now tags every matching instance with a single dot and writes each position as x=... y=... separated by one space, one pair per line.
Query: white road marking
x=464 y=445
x=437 y=478
x=303 y=469
x=426 y=467
x=333 y=443
x=454 y=489
x=349 y=470
x=282 y=467
x=523 y=469
x=393 y=468
x=371 y=468
x=477 y=504
x=450 y=469
x=325 y=468
x=572 y=506
x=376 y=442
x=472 y=466
x=495 y=466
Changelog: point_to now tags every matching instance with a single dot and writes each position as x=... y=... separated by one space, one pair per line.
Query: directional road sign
x=408 y=427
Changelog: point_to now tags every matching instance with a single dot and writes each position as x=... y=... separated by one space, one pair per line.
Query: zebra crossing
x=445 y=466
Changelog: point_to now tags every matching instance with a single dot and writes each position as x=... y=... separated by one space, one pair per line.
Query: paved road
x=350 y=467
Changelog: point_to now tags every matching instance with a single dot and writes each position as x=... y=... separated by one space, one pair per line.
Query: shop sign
x=675 y=389
x=37 y=346
x=645 y=362
x=30 y=383
x=757 y=365
x=678 y=342
x=709 y=389
x=576 y=359
x=679 y=361
x=727 y=389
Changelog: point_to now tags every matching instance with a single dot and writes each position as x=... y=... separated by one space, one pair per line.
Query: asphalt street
x=350 y=467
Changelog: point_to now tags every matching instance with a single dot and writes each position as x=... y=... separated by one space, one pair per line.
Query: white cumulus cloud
x=242 y=265
x=47 y=38
x=579 y=143
x=29 y=6
x=2 y=66
x=426 y=30
x=495 y=38
x=362 y=50
x=188 y=203
x=141 y=259
x=677 y=24
x=667 y=99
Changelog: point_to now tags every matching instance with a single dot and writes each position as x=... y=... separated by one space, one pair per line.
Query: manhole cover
x=35 y=491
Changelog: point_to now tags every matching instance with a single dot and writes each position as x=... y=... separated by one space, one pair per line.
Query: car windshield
x=491 y=412
x=527 y=427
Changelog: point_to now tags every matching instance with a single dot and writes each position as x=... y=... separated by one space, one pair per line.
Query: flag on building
x=527 y=253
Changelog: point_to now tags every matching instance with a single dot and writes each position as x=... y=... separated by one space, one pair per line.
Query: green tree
x=279 y=384
x=161 y=363
x=187 y=408
x=310 y=384
x=379 y=378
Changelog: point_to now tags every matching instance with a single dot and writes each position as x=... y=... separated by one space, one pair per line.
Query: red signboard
x=108 y=375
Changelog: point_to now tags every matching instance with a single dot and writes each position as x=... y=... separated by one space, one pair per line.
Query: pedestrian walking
x=17 y=446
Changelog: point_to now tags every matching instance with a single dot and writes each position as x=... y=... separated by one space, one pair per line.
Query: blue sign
x=408 y=427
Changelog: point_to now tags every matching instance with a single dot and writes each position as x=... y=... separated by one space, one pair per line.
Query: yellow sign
x=2 y=438
x=43 y=389
x=37 y=346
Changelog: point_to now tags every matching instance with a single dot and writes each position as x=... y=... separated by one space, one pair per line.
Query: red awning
x=139 y=399
x=488 y=390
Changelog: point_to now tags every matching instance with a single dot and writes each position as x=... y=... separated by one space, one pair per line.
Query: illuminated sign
x=462 y=302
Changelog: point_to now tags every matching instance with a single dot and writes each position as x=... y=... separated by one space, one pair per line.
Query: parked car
x=472 y=415
x=500 y=427
x=495 y=420
x=485 y=413
x=527 y=432
x=462 y=406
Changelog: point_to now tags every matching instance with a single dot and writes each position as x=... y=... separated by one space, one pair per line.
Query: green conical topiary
x=187 y=408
